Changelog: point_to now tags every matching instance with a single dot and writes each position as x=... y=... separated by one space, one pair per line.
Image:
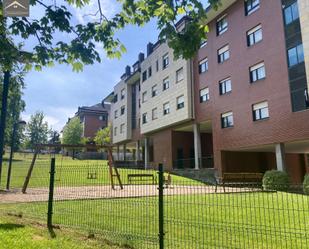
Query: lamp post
x=15 y=127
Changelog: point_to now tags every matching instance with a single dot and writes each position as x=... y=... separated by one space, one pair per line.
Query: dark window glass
x=144 y=76
x=251 y=6
x=149 y=72
x=225 y=86
x=222 y=26
x=203 y=66
x=260 y=111
x=227 y=120
x=122 y=110
x=223 y=54
x=257 y=72
x=144 y=118
x=165 y=61
x=254 y=36
x=291 y=13
x=296 y=55
x=204 y=95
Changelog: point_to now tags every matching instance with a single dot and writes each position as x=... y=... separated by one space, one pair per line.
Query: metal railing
x=169 y=212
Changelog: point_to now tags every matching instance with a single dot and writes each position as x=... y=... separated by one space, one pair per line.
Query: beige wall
x=304 y=22
x=170 y=95
x=122 y=119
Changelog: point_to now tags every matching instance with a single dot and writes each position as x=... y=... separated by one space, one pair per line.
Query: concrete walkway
x=101 y=192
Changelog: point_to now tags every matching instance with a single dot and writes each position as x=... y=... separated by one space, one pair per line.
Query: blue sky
x=58 y=91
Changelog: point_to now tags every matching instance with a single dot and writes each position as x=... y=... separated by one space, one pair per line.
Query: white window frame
x=254 y=71
x=154 y=113
x=144 y=97
x=180 y=73
x=226 y=116
x=223 y=86
x=252 y=33
x=180 y=102
x=154 y=91
x=203 y=64
x=165 y=61
x=224 y=54
x=204 y=95
x=166 y=82
x=259 y=107
x=225 y=27
x=166 y=108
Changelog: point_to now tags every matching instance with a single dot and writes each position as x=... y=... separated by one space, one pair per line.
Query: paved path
x=101 y=192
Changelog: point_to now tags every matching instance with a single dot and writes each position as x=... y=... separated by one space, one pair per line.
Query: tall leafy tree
x=79 y=47
x=72 y=132
x=37 y=131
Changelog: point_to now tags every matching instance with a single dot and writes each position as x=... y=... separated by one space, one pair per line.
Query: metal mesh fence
x=196 y=215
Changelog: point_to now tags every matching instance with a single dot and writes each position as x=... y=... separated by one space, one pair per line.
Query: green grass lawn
x=70 y=172
x=238 y=220
x=17 y=233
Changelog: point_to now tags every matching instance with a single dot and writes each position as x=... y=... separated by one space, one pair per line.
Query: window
x=157 y=65
x=144 y=76
x=179 y=75
x=116 y=114
x=101 y=118
x=115 y=131
x=203 y=66
x=166 y=84
x=154 y=91
x=149 y=72
x=144 y=97
x=166 y=108
x=251 y=6
x=227 y=120
x=225 y=86
x=296 y=55
x=291 y=13
x=203 y=43
x=223 y=54
x=204 y=95
x=165 y=61
x=121 y=128
x=122 y=94
x=144 y=118
x=122 y=110
x=254 y=35
x=180 y=102
x=222 y=25
x=257 y=72
x=115 y=98
x=154 y=113
x=260 y=111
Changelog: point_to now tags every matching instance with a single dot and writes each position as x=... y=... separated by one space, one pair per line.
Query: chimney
x=149 y=48
x=141 y=57
x=128 y=71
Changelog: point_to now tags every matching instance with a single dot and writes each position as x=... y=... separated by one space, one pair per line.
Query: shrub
x=306 y=184
x=276 y=180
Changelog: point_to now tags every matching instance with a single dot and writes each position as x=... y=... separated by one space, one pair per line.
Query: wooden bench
x=141 y=178
x=240 y=179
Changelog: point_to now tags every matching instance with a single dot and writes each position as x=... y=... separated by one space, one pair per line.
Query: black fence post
x=161 y=206
x=51 y=195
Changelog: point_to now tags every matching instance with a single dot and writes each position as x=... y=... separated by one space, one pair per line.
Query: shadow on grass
x=10 y=226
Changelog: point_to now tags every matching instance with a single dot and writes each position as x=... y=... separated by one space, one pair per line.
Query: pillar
x=280 y=157
x=137 y=157
x=197 y=146
x=124 y=152
x=118 y=153
x=146 y=152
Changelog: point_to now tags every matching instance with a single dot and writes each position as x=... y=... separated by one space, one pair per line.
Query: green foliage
x=306 y=184
x=72 y=132
x=276 y=180
x=37 y=131
x=79 y=48
x=103 y=136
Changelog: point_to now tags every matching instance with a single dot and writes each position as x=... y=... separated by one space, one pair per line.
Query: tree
x=72 y=132
x=15 y=105
x=103 y=136
x=37 y=131
x=79 y=48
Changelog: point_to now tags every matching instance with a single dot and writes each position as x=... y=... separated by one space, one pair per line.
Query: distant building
x=93 y=118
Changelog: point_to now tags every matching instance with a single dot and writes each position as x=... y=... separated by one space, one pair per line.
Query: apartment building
x=93 y=118
x=241 y=105
x=125 y=113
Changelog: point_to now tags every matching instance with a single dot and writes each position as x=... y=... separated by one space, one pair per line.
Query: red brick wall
x=283 y=125
x=92 y=125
